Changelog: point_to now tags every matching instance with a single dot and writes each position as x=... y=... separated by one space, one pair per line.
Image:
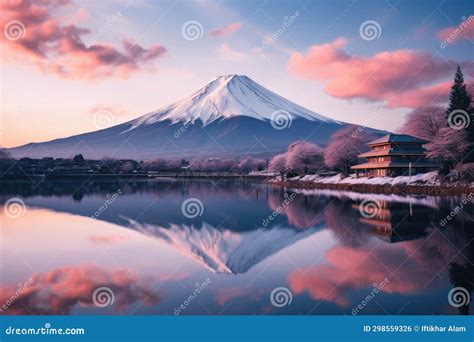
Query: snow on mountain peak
x=225 y=97
x=222 y=250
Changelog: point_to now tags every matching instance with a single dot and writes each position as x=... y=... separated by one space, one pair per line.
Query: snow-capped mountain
x=221 y=250
x=228 y=117
x=226 y=97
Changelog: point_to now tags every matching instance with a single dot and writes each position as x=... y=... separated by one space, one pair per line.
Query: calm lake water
x=251 y=248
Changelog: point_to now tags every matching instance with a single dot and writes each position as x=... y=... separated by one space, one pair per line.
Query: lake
x=230 y=247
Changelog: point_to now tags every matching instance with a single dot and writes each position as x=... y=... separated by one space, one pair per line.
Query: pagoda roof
x=397 y=138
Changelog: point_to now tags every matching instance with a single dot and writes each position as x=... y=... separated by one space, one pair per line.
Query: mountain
x=221 y=250
x=228 y=117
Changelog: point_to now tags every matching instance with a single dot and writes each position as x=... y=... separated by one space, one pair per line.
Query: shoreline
x=427 y=190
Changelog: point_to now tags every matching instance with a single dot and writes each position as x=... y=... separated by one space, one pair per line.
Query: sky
x=66 y=64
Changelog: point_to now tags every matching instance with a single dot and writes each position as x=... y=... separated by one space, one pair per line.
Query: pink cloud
x=81 y=15
x=398 y=76
x=57 y=48
x=224 y=31
x=349 y=269
x=59 y=291
x=465 y=30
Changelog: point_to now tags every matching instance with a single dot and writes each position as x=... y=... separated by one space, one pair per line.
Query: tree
x=163 y=165
x=425 y=123
x=344 y=147
x=459 y=97
x=248 y=164
x=449 y=145
x=461 y=100
x=213 y=164
x=127 y=167
x=303 y=156
x=278 y=164
x=107 y=165
x=79 y=159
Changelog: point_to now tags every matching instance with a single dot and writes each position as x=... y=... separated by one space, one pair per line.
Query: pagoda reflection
x=396 y=221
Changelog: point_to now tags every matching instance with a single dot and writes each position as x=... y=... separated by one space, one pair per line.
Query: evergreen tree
x=460 y=99
x=79 y=159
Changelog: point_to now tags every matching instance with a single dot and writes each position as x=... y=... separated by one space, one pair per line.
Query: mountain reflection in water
x=249 y=239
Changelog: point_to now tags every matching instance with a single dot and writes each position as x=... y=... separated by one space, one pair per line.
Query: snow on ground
x=429 y=178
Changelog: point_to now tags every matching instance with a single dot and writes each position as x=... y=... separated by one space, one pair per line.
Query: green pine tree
x=460 y=99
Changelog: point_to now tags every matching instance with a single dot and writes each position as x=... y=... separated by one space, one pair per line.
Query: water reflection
x=318 y=244
x=58 y=291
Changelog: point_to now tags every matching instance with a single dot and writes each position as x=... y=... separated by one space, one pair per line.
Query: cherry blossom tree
x=248 y=164
x=213 y=164
x=344 y=147
x=425 y=123
x=449 y=145
x=303 y=156
x=278 y=164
